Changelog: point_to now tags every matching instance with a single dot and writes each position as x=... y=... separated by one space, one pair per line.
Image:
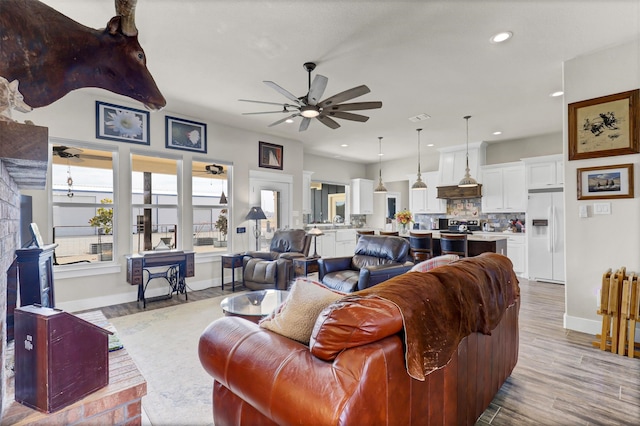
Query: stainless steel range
x=461 y=226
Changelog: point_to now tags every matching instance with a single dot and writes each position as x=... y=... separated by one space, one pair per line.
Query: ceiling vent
x=420 y=117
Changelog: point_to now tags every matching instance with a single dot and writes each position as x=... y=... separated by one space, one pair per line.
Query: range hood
x=454 y=192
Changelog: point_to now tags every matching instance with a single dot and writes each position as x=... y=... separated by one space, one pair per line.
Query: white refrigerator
x=545 y=236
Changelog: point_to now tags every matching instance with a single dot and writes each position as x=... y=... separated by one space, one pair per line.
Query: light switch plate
x=601 y=208
x=583 y=211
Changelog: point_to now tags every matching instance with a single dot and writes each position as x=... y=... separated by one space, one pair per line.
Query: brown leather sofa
x=354 y=370
x=377 y=258
x=274 y=268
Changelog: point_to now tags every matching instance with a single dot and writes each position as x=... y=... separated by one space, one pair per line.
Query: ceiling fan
x=310 y=106
x=212 y=169
x=69 y=153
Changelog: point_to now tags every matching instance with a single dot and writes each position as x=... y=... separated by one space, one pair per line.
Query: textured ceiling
x=417 y=57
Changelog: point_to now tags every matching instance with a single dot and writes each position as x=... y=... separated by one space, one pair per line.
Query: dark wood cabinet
x=35 y=275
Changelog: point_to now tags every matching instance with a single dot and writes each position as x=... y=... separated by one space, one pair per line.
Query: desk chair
x=421 y=246
x=454 y=244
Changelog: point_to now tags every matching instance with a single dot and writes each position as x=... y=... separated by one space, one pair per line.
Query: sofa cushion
x=344 y=281
x=297 y=315
x=353 y=321
x=428 y=265
x=260 y=271
x=288 y=240
x=394 y=249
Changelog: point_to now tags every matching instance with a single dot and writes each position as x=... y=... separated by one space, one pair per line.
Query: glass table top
x=255 y=303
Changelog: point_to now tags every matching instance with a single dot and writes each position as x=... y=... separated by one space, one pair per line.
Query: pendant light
x=419 y=185
x=467 y=181
x=380 y=188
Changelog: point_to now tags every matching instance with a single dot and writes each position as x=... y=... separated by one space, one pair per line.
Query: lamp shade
x=419 y=185
x=256 y=213
x=315 y=231
x=467 y=181
x=223 y=198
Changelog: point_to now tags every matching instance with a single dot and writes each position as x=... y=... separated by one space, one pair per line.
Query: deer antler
x=126 y=9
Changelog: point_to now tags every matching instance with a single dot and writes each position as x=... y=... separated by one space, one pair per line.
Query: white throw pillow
x=298 y=313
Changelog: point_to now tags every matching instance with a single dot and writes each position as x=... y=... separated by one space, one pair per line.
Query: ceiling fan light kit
x=419 y=185
x=380 y=188
x=310 y=106
x=467 y=181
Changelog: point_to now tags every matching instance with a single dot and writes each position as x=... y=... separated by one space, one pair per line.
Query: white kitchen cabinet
x=327 y=244
x=504 y=188
x=361 y=196
x=517 y=253
x=453 y=162
x=426 y=201
x=306 y=192
x=345 y=242
x=544 y=172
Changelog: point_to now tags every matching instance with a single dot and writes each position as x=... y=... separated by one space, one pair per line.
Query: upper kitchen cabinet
x=545 y=171
x=426 y=201
x=503 y=188
x=453 y=162
x=361 y=196
x=306 y=192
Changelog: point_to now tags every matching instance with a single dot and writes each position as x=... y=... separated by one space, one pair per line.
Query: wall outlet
x=241 y=230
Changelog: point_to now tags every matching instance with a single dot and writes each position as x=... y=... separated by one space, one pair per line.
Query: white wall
x=73 y=118
x=515 y=149
x=333 y=170
x=599 y=242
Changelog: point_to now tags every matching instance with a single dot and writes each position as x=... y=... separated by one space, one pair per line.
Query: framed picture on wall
x=605 y=126
x=605 y=182
x=270 y=155
x=118 y=123
x=185 y=135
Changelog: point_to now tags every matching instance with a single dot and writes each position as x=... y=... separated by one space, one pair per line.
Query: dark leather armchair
x=377 y=258
x=274 y=268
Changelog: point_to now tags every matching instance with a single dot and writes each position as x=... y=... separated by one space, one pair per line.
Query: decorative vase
x=404 y=229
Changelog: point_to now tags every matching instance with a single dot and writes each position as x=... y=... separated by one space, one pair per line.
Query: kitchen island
x=477 y=243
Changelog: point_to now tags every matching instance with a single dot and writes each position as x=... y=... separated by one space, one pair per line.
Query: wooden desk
x=180 y=265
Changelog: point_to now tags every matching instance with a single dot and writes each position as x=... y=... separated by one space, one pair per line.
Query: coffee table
x=253 y=305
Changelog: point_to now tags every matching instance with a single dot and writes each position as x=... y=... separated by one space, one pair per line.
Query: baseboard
x=589 y=326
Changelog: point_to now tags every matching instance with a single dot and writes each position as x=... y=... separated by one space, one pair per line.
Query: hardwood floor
x=560 y=379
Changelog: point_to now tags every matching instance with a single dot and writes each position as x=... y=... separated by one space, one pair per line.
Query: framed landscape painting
x=118 y=123
x=186 y=135
x=605 y=182
x=604 y=126
x=270 y=156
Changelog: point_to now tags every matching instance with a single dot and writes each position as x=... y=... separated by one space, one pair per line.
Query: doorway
x=272 y=192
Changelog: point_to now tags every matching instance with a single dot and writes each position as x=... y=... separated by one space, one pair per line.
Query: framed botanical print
x=118 y=123
x=604 y=126
x=186 y=135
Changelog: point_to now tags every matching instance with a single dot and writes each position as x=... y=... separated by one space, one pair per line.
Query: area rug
x=164 y=345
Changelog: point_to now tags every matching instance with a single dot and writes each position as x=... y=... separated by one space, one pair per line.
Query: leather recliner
x=274 y=268
x=377 y=258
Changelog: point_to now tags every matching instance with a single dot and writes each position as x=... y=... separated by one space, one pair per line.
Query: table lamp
x=256 y=214
x=315 y=232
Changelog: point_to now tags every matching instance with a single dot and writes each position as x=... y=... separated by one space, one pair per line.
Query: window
x=154 y=202
x=210 y=208
x=83 y=210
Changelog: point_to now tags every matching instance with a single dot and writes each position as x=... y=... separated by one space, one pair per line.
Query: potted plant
x=103 y=220
x=221 y=225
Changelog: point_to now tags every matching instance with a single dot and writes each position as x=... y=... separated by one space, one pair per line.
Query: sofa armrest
x=266 y=255
x=332 y=264
x=290 y=255
x=262 y=368
x=372 y=275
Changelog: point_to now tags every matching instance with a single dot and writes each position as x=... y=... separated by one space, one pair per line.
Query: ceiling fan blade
x=275 y=123
x=269 y=103
x=317 y=89
x=283 y=92
x=345 y=96
x=348 y=116
x=328 y=121
x=354 y=106
x=266 y=112
x=304 y=124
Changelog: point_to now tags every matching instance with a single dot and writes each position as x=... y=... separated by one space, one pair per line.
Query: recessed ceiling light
x=344 y=145
x=430 y=144
x=380 y=155
x=289 y=120
x=501 y=37
x=497 y=133
x=419 y=117
x=556 y=94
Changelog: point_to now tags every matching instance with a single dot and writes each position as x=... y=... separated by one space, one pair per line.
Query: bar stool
x=367 y=232
x=454 y=244
x=390 y=233
x=421 y=246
